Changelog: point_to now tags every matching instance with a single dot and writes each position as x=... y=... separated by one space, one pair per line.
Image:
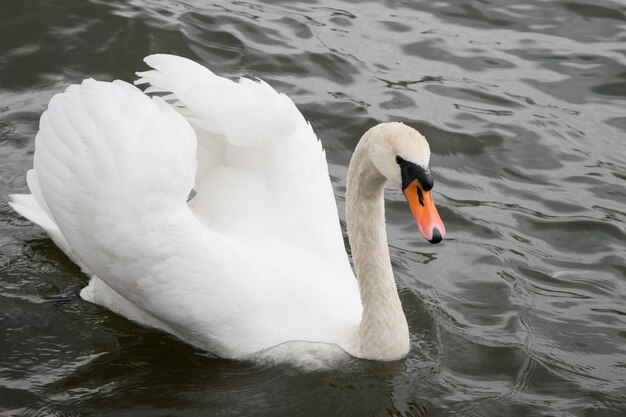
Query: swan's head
x=402 y=155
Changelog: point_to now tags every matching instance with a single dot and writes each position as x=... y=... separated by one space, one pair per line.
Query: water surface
x=519 y=312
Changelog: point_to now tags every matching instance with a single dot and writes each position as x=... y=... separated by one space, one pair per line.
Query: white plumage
x=256 y=258
x=113 y=169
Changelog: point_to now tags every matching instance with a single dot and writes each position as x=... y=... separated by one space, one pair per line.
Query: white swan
x=256 y=258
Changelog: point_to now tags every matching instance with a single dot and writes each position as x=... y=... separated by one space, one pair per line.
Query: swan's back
x=256 y=261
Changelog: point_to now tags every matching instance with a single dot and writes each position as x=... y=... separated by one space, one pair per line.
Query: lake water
x=521 y=311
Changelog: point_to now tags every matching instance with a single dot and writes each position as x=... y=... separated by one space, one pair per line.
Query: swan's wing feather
x=223 y=106
x=261 y=167
x=112 y=169
x=80 y=169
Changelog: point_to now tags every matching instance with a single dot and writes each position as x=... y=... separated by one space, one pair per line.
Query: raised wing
x=261 y=168
x=106 y=155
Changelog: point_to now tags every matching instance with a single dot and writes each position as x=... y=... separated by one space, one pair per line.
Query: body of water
x=521 y=311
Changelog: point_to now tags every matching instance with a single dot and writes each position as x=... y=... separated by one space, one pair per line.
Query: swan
x=206 y=211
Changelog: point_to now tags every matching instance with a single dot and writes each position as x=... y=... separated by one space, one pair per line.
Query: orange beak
x=425 y=212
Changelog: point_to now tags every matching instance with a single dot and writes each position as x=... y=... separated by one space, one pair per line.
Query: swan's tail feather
x=34 y=208
x=29 y=207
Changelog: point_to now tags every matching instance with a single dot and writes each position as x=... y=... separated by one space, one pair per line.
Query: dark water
x=520 y=312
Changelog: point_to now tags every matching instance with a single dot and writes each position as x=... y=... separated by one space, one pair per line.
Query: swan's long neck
x=383 y=332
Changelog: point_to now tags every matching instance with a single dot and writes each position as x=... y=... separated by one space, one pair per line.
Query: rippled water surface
x=519 y=312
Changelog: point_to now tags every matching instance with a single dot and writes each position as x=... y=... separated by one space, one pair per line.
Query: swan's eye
x=411 y=171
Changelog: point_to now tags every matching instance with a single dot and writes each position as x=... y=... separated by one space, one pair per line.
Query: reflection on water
x=519 y=312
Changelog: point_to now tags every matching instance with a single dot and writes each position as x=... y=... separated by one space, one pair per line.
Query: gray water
x=519 y=312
